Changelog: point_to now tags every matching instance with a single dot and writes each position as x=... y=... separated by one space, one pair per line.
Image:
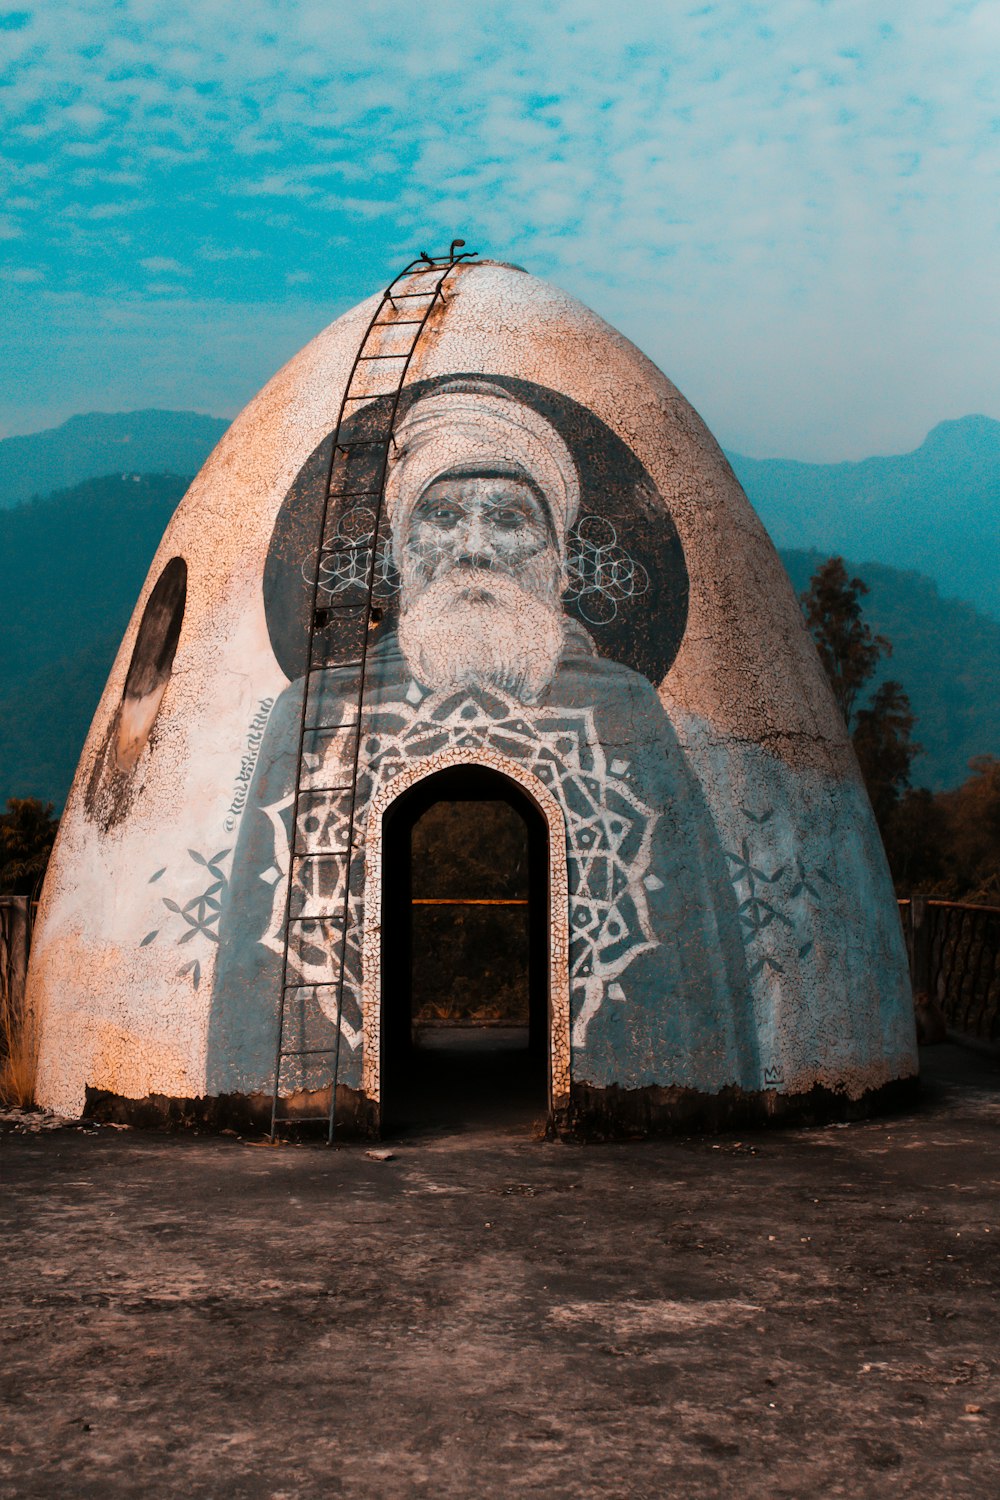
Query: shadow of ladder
x=376 y=374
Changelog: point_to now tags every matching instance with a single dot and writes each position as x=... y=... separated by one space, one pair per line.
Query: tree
x=972 y=813
x=946 y=844
x=847 y=648
x=27 y=833
x=917 y=841
x=881 y=728
x=885 y=751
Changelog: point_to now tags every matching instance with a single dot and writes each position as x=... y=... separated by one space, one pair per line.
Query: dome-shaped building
x=466 y=689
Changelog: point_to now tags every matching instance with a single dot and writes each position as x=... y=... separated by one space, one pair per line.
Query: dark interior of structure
x=465 y=954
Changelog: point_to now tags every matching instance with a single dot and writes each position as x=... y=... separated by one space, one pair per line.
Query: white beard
x=480 y=628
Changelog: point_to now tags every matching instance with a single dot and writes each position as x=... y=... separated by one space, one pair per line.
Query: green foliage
x=27 y=833
x=884 y=747
x=848 y=649
x=97 y=443
x=946 y=844
x=972 y=843
x=881 y=729
x=916 y=838
x=945 y=653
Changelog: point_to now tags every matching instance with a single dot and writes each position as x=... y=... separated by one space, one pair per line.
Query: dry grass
x=18 y=1053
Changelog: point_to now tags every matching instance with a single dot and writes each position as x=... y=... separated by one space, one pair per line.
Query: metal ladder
x=407 y=304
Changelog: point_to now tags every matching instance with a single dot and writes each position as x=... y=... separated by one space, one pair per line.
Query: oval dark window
x=152 y=662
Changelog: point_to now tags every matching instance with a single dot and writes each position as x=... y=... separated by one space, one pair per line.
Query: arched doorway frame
x=371 y=950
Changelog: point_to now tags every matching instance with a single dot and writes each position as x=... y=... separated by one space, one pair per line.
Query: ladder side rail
x=307 y=678
x=424 y=265
x=370 y=588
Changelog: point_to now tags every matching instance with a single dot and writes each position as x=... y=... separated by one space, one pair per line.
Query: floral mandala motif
x=608 y=830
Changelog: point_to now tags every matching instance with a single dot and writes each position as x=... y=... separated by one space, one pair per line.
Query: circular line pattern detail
x=601 y=574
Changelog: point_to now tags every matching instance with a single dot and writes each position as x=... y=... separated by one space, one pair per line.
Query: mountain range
x=99 y=443
x=935 y=510
x=72 y=565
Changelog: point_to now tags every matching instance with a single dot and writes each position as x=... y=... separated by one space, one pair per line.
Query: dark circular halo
x=628 y=578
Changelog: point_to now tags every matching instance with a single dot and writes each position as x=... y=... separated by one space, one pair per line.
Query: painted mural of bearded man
x=481 y=496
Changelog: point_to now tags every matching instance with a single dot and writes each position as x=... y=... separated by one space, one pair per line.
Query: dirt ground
x=797 y=1314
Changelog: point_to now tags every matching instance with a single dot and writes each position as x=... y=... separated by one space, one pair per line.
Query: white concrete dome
x=746 y=944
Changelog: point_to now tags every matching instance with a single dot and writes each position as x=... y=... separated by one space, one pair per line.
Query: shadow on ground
x=789 y=1314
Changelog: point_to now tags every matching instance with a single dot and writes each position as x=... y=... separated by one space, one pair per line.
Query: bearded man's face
x=481 y=585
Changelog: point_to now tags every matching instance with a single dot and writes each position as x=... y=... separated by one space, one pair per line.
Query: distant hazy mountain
x=936 y=510
x=945 y=653
x=72 y=565
x=85 y=447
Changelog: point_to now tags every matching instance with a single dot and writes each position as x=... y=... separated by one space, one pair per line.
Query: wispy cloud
x=792 y=206
x=164 y=264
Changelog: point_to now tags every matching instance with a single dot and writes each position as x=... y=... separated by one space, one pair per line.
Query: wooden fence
x=15 y=937
x=954 y=952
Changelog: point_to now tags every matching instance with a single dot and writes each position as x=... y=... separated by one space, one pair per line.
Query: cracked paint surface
x=565 y=549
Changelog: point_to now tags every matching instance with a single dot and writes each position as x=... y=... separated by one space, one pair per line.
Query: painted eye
x=441 y=513
x=508 y=519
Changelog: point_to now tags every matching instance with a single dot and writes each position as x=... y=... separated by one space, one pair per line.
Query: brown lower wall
x=617 y=1114
x=247 y=1114
x=594 y=1114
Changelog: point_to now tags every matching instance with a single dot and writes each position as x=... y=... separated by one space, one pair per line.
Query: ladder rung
x=352 y=494
x=367 y=358
x=366 y=442
x=325 y=667
x=307 y=1051
x=320 y=854
x=330 y=916
x=328 y=667
x=331 y=728
x=314 y=984
x=313 y=791
x=302 y=1120
x=300 y=856
x=399 y=323
x=344 y=549
x=400 y=296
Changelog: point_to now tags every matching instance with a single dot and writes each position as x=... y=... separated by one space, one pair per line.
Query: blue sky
x=792 y=207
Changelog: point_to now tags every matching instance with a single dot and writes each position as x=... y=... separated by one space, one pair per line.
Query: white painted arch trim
x=371 y=955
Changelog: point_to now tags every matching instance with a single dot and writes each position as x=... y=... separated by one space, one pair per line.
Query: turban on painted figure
x=481 y=496
x=469 y=426
x=480 y=499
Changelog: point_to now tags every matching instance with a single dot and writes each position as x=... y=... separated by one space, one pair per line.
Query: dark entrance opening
x=465 y=955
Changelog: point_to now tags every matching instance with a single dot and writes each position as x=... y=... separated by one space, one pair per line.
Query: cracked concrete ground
x=790 y=1314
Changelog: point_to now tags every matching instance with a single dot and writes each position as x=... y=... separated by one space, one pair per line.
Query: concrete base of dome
x=247 y=1114
x=615 y=1113
x=594 y=1114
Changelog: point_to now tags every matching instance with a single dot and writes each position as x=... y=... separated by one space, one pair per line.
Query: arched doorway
x=465 y=953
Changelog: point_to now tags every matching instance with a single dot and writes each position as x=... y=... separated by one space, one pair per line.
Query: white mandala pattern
x=609 y=834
